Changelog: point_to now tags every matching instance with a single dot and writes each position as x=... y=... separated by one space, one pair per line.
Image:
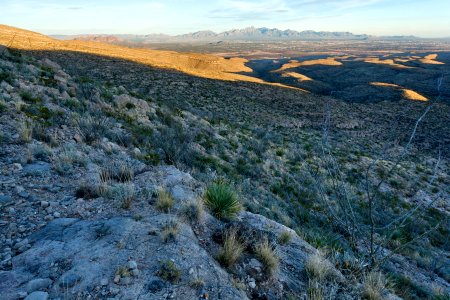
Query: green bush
x=169 y=271
x=222 y=201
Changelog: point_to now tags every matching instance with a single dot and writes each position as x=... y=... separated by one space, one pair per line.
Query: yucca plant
x=222 y=201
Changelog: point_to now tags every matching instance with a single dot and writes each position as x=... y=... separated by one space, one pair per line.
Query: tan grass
x=299 y=76
x=268 y=256
x=374 y=286
x=201 y=65
x=231 y=250
x=164 y=202
x=318 y=267
x=329 y=61
x=406 y=93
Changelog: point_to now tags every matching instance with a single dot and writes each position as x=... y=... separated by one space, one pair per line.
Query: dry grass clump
x=119 y=172
x=164 y=202
x=268 y=256
x=170 y=231
x=25 y=132
x=93 y=128
x=374 y=286
x=284 y=238
x=221 y=199
x=318 y=267
x=315 y=290
x=193 y=211
x=231 y=250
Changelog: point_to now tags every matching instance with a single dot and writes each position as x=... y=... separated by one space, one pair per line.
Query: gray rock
x=125 y=280
x=5 y=200
x=132 y=265
x=38 y=284
x=24 y=194
x=104 y=281
x=255 y=268
x=37 y=296
x=69 y=280
x=90 y=258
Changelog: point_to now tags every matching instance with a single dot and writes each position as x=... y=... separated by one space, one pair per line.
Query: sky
x=425 y=18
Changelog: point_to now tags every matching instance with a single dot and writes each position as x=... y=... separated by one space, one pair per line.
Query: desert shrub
x=175 y=141
x=164 y=201
x=92 y=128
x=193 y=211
x=41 y=152
x=318 y=267
x=121 y=193
x=374 y=286
x=25 y=132
x=63 y=161
x=169 y=271
x=86 y=191
x=7 y=76
x=284 y=238
x=119 y=172
x=221 y=199
x=40 y=133
x=2 y=106
x=170 y=231
x=231 y=250
x=268 y=256
x=123 y=271
x=29 y=97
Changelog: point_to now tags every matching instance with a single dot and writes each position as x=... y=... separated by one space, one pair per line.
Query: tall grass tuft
x=231 y=250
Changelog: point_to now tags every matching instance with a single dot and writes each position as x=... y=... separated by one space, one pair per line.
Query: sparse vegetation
x=284 y=238
x=170 y=231
x=268 y=256
x=193 y=211
x=164 y=201
x=25 y=132
x=222 y=201
x=92 y=128
x=374 y=286
x=231 y=250
x=318 y=267
x=169 y=271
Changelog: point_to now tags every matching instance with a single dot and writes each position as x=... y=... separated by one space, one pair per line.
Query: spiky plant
x=222 y=201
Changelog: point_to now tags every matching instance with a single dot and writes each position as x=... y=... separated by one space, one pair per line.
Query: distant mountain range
x=246 y=34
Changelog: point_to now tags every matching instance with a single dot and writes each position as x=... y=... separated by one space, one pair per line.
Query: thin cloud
x=254 y=10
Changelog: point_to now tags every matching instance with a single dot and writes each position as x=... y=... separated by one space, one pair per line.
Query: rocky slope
x=61 y=239
x=92 y=148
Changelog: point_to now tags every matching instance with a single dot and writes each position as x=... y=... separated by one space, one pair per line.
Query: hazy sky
x=427 y=18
